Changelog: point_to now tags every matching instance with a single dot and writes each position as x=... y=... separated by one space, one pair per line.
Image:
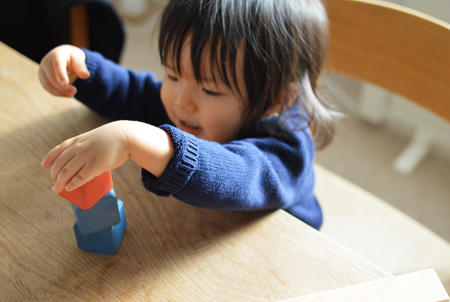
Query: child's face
x=208 y=110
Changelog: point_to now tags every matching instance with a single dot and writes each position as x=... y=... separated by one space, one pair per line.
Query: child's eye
x=212 y=93
x=172 y=78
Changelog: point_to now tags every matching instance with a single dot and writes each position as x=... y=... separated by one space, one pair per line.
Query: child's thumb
x=82 y=71
x=78 y=66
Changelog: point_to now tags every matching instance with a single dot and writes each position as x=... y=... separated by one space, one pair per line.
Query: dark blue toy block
x=105 y=241
x=110 y=193
x=102 y=215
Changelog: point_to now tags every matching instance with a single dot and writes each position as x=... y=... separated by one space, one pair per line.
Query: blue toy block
x=110 y=193
x=105 y=241
x=74 y=207
x=102 y=215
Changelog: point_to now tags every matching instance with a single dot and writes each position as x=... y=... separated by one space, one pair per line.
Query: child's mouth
x=190 y=128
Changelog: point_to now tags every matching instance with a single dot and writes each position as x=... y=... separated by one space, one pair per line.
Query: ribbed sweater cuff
x=180 y=168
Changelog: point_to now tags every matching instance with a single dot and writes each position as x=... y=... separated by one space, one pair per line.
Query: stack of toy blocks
x=99 y=216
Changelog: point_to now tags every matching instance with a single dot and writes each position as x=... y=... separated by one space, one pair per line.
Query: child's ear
x=287 y=98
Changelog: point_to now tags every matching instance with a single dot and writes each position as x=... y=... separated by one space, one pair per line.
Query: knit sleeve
x=180 y=168
x=117 y=93
x=244 y=175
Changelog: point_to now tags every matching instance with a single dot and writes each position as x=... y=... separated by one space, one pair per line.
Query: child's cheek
x=166 y=99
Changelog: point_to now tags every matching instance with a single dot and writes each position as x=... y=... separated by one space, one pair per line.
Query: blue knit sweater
x=261 y=170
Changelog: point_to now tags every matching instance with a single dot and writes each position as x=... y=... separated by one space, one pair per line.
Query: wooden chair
x=95 y=25
x=79 y=26
x=407 y=53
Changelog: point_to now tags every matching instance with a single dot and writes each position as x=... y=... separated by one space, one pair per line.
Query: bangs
x=212 y=36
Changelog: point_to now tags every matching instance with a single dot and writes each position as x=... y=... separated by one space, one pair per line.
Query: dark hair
x=280 y=41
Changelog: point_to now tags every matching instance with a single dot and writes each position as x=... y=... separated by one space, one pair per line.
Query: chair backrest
x=79 y=26
x=407 y=53
x=396 y=48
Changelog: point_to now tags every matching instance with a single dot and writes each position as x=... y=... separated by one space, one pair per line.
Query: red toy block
x=88 y=194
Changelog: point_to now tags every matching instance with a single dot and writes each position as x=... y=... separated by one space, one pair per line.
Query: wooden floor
x=360 y=153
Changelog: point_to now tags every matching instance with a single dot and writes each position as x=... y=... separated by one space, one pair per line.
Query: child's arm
x=78 y=160
x=60 y=68
x=105 y=87
x=257 y=173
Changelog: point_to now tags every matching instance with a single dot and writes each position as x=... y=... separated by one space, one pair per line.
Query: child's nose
x=186 y=102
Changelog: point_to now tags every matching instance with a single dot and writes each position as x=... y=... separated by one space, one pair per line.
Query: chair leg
x=373 y=103
x=417 y=149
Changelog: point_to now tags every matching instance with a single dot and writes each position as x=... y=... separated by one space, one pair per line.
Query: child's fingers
x=60 y=165
x=72 y=76
x=83 y=176
x=51 y=88
x=52 y=82
x=67 y=173
x=56 y=90
x=60 y=68
x=46 y=83
x=53 y=154
x=49 y=158
x=80 y=68
x=76 y=63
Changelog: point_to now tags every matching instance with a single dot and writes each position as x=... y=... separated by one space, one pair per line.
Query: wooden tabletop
x=170 y=250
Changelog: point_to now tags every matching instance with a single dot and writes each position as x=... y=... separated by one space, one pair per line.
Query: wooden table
x=170 y=250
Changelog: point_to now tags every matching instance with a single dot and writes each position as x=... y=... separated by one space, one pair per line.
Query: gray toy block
x=104 y=214
x=74 y=207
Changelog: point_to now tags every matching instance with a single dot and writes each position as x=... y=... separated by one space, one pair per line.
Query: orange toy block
x=88 y=194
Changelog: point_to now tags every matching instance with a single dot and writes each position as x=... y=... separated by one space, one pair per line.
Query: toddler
x=229 y=126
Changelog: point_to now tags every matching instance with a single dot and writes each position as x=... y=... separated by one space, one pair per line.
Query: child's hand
x=60 y=68
x=80 y=159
